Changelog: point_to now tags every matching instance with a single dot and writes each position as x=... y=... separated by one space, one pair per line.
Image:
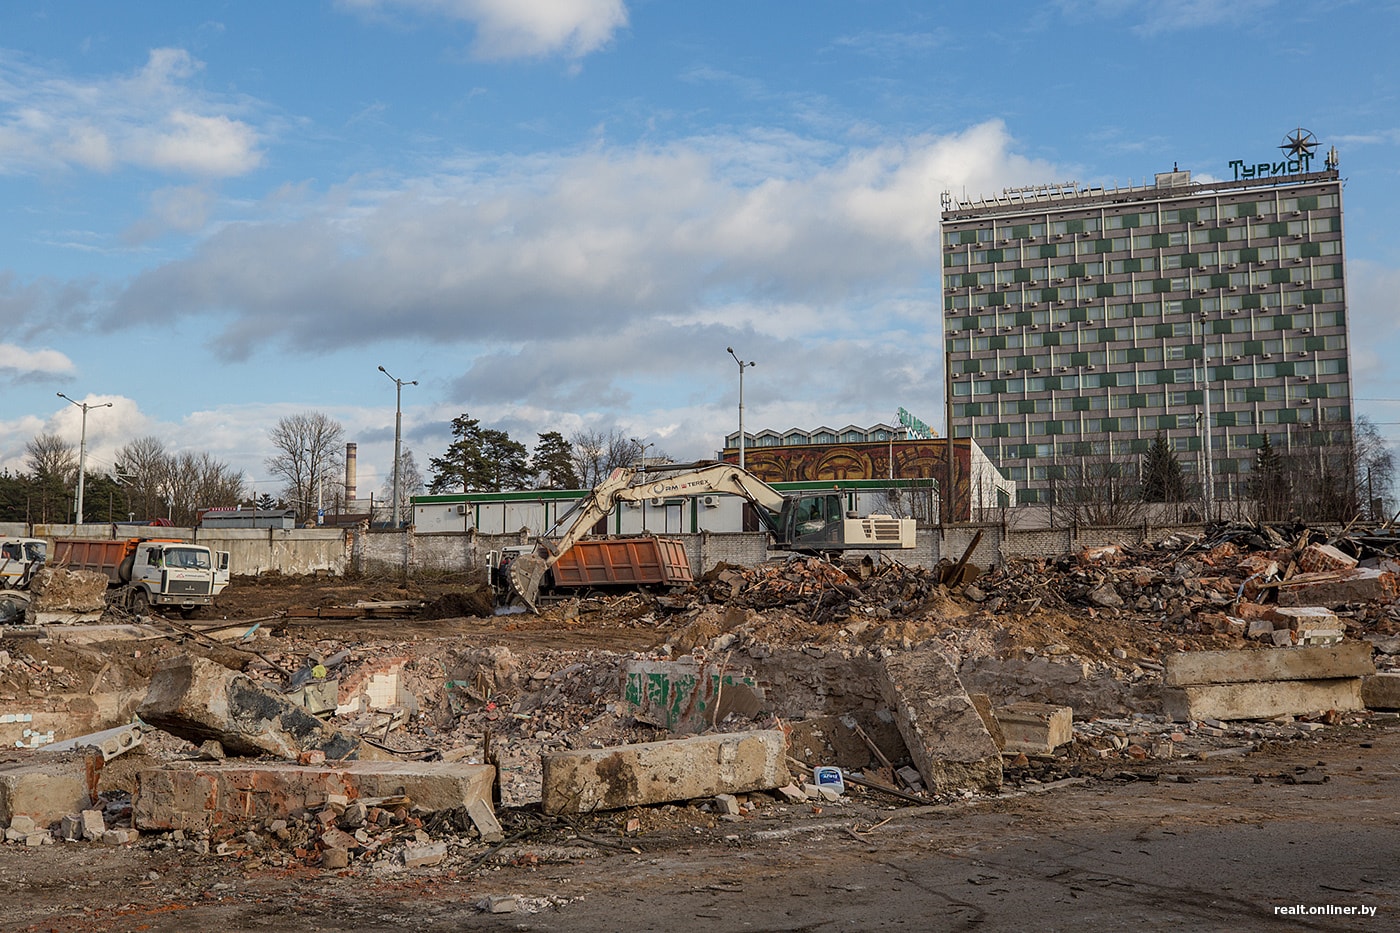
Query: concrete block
x=198 y=700
x=1261 y=629
x=1324 y=558
x=1348 y=659
x=110 y=742
x=48 y=787
x=70 y=828
x=484 y=819
x=1333 y=590
x=983 y=704
x=1297 y=617
x=199 y=796
x=1261 y=700
x=1381 y=691
x=93 y=824
x=1035 y=728
x=425 y=855
x=332 y=859
x=585 y=780
x=683 y=696
x=946 y=738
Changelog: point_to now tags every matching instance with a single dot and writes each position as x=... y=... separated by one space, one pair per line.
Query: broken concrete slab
x=198 y=700
x=1035 y=728
x=1324 y=558
x=1381 y=691
x=683 y=696
x=1261 y=700
x=983 y=704
x=585 y=780
x=1348 y=659
x=484 y=819
x=47 y=788
x=944 y=733
x=1338 y=589
x=110 y=742
x=1301 y=617
x=836 y=740
x=199 y=796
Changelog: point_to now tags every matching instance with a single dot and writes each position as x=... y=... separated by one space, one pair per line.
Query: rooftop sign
x=1298 y=145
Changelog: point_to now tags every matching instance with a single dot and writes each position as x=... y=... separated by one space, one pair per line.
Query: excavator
x=813 y=522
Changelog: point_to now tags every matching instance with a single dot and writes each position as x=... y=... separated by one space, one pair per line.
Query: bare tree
x=596 y=453
x=53 y=468
x=49 y=456
x=310 y=451
x=410 y=484
x=142 y=467
x=1095 y=490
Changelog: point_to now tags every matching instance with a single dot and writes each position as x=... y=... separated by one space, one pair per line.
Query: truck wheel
x=140 y=603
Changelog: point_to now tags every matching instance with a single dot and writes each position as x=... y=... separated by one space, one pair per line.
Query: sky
x=556 y=215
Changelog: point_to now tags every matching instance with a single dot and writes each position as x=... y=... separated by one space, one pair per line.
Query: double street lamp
x=82 y=450
x=742 y=366
x=398 y=434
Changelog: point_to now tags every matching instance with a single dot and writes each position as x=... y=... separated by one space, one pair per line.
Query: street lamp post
x=398 y=435
x=82 y=450
x=742 y=366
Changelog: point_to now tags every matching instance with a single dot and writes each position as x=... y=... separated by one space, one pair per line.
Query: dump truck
x=813 y=522
x=601 y=564
x=150 y=573
x=20 y=559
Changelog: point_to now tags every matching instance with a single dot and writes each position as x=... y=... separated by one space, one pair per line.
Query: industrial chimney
x=349 y=476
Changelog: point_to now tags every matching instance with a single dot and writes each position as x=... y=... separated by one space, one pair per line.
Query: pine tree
x=479 y=460
x=1162 y=479
x=553 y=463
x=1269 y=484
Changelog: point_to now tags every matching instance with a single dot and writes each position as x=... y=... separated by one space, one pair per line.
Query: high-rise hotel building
x=1081 y=322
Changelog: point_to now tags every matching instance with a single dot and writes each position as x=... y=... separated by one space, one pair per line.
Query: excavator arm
x=628 y=485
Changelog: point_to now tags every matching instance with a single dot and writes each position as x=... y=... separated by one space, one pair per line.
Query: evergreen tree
x=553 y=463
x=479 y=460
x=1269 y=484
x=1162 y=479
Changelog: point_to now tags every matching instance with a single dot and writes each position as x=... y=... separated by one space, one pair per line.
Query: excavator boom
x=816 y=522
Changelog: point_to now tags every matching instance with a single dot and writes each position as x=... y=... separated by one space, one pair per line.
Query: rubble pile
x=825 y=590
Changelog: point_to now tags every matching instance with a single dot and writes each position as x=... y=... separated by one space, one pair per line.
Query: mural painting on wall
x=847 y=461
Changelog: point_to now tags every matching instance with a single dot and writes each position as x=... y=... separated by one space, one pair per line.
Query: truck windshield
x=187 y=559
x=35 y=550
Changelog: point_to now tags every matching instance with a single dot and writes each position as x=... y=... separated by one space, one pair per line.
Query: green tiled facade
x=1081 y=322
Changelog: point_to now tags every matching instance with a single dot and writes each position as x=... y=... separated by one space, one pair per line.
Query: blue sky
x=557 y=214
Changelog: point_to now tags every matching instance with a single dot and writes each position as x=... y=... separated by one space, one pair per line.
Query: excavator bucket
x=525 y=574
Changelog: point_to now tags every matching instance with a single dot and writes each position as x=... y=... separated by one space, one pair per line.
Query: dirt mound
x=471 y=601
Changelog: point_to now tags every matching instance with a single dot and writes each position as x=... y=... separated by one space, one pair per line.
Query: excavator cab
x=813 y=522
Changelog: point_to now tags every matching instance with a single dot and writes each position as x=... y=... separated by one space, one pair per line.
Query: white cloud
x=583 y=243
x=1371 y=301
x=18 y=363
x=149 y=119
x=508 y=29
x=1159 y=16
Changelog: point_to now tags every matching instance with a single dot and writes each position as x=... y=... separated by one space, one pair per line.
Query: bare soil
x=1216 y=845
x=1081 y=841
